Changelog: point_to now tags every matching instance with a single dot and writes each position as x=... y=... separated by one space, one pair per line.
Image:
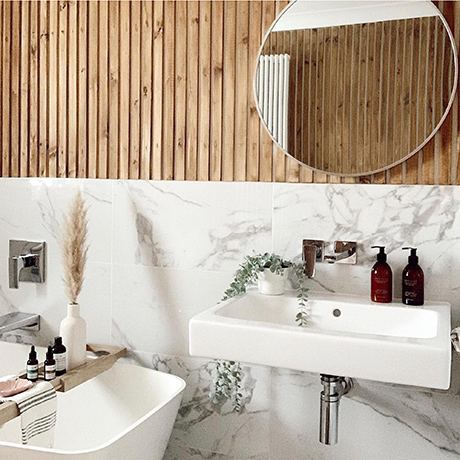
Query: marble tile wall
x=163 y=251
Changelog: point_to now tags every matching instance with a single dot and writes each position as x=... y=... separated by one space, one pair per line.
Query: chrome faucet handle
x=312 y=252
x=26 y=262
x=345 y=252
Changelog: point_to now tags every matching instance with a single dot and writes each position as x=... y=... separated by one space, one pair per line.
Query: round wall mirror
x=356 y=87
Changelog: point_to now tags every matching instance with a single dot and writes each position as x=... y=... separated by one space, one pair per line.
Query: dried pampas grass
x=75 y=247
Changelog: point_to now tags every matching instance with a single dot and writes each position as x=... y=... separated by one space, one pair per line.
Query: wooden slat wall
x=158 y=90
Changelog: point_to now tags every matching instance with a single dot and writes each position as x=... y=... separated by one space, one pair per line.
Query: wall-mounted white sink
x=346 y=335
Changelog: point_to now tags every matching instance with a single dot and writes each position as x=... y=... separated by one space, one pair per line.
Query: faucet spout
x=19 y=320
x=344 y=253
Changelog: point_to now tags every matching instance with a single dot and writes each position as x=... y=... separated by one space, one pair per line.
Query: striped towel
x=37 y=407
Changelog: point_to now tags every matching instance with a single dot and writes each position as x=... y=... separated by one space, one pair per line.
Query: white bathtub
x=126 y=413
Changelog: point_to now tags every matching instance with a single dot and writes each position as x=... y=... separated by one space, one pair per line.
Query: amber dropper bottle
x=32 y=365
x=50 y=365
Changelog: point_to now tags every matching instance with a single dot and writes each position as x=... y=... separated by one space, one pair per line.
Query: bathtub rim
x=119 y=435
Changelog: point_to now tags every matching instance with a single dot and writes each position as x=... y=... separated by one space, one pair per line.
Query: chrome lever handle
x=13 y=273
x=26 y=262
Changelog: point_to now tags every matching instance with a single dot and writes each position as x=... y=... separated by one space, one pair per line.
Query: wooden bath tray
x=106 y=356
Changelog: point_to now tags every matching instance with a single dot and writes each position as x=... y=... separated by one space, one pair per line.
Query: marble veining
x=393 y=216
x=217 y=428
x=191 y=225
x=161 y=252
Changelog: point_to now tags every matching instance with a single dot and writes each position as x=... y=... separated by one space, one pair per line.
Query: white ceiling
x=308 y=14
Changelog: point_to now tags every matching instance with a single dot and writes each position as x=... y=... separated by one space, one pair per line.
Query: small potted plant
x=270 y=272
x=261 y=269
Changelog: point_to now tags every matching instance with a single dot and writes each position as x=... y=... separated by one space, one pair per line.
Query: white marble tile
x=152 y=306
x=209 y=226
x=49 y=300
x=32 y=209
x=217 y=428
x=395 y=216
x=176 y=452
x=375 y=421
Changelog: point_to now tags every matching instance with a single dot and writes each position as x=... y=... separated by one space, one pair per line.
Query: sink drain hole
x=336 y=312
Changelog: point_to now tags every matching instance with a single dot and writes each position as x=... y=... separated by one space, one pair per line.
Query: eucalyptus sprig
x=227 y=383
x=302 y=293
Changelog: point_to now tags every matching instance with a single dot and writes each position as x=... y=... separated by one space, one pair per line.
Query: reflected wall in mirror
x=354 y=88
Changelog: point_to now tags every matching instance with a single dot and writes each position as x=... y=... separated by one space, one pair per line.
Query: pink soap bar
x=13 y=387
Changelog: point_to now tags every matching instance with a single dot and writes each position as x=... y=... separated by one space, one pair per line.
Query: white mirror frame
x=396 y=163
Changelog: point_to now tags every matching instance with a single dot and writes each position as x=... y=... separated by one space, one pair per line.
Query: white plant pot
x=271 y=284
x=73 y=333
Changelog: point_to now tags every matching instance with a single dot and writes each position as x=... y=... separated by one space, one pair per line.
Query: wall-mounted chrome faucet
x=345 y=252
x=19 y=320
x=27 y=262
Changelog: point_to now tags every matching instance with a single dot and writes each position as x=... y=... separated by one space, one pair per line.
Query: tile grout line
x=112 y=226
x=272 y=217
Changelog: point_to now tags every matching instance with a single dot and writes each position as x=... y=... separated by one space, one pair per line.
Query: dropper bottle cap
x=33 y=353
x=49 y=353
x=381 y=256
x=413 y=258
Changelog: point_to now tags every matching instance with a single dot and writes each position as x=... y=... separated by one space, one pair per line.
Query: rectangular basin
x=346 y=336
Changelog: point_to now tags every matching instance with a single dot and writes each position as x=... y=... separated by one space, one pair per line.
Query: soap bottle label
x=32 y=371
x=50 y=372
x=60 y=359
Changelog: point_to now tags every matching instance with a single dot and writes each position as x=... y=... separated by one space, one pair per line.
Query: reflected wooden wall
x=156 y=90
x=364 y=96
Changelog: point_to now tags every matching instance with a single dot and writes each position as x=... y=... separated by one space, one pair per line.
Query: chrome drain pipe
x=334 y=388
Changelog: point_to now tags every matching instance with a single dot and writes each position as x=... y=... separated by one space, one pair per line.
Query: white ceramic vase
x=272 y=284
x=73 y=333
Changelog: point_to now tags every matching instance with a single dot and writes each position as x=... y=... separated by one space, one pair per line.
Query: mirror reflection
x=353 y=88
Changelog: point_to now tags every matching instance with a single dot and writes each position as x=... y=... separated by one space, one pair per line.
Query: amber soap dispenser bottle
x=381 y=279
x=413 y=281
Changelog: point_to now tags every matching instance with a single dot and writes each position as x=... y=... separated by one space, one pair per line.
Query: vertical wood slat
x=82 y=70
x=228 y=101
x=15 y=90
x=24 y=85
x=124 y=90
x=103 y=90
x=134 y=89
x=157 y=96
x=204 y=89
x=193 y=15
x=253 y=132
x=33 y=97
x=215 y=141
x=93 y=90
x=52 y=88
x=168 y=91
x=23 y=90
x=241 y=90
x=96 y=89
x=114 y=85
x=146 y=87
x=43 y=89
x=180 y=102
x=72 y=95
x=62 y=90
